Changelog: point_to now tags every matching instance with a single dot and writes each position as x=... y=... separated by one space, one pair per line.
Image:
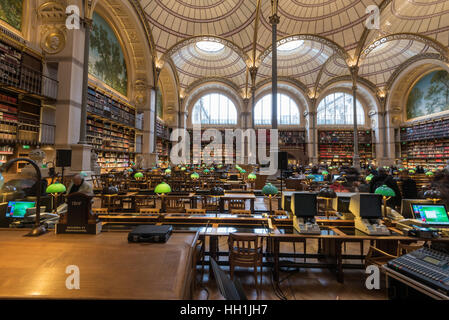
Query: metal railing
x=29 y=80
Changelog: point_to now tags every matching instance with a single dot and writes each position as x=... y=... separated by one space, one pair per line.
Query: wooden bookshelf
x=337 y=146
x=425 y=143
x=111 y=129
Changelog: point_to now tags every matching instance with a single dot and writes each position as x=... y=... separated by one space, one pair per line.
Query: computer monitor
x=318 y=178
x=431 y=213
x=406 y=206
x=366 y=205
x=18 y=209
x=341 y=203
x=304 y=204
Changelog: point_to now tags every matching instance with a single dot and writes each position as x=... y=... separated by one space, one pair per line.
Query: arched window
x=337 y=109
x=214 y=108
x=288 y=111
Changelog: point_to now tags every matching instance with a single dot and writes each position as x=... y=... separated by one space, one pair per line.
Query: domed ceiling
x=324 y=35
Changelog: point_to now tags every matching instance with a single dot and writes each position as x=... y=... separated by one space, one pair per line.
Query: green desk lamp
x=194 y=176
x=54 y=190
x=138 y=176
x=270 y=191
x=252 y=178
x=161 y=190
x=386 y=193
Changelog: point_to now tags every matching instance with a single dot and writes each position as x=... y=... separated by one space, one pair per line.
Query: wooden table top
x=239 y=195
x=110 y=267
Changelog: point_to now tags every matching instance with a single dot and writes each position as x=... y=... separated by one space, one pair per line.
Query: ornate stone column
x=356 y=159
x=274 y=20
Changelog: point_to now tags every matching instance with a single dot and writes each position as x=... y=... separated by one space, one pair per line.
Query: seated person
x=80 y=185
x=32 y=191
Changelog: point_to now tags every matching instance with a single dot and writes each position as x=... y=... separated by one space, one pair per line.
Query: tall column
x=87 y=29
x=356 y=159
x=253 y=73
x=274 y=20
x=312 y=145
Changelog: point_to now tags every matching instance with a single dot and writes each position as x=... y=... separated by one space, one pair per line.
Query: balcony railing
x=47 y=133
x=29 y=80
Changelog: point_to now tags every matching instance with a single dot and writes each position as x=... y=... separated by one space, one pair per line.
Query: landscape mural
x=11 y=12
x=429 y=95
x=106 y=59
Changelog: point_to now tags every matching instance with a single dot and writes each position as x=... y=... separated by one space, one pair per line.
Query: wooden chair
x=209 y=203
x=280 y=213
x=245 y=251
x=174 y=204
x=144 y=201
x=241 y=211
x=236 y=204
x=149 y=211
x=100 y=211
x=378 y=257
x=196 y=211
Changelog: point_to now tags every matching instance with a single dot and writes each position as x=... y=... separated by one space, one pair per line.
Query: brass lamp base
x=37 y=231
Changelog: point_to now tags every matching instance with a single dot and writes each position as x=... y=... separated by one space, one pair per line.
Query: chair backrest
x=407 y=248
x=230 y=290
x=236 y=204
x=149 y=210
x=209 y=203
x=280 y=213
x=240 y=211
x=196 y=211
x=175 y=204
x=99 y=211
x=244 y=247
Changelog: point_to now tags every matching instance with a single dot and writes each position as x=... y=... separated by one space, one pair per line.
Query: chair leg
x=231 y=267
x=305 y=250
x=361 y=250
x=255 y=279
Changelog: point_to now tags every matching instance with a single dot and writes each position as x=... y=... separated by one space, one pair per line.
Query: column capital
x=274 y=19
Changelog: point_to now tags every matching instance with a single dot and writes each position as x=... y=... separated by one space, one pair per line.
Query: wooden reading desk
x=110 y=267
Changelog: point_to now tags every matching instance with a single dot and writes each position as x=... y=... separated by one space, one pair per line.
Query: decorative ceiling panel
x=193 y=64
x=425 y=17
x=174 y=20
x=303 y=63
x=379 y=63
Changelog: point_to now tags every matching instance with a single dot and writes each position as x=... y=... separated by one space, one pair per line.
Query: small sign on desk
x=79 y=218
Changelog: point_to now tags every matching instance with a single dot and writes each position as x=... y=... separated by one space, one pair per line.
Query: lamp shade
x=138 y=175
x=167 y=171
x=327 y=193
x=429 y=173
x=325 y=173
x=194 y=176
x=242 y=171
x=183 y=168
x=129 y=170
x=411 y=171
x=83 y=174
x=269 y=189
x=369 y=177
x=56 y=188
x=385 y=191
x=252 y=176
x=162 y=188
x=206 y=171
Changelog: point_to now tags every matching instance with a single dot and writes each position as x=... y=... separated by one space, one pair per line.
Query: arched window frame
x=227 y=110
x=286 y=106
x=329 y=115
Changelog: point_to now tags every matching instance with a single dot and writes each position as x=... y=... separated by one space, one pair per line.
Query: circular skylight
x=209 y=46
x=290 y=46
